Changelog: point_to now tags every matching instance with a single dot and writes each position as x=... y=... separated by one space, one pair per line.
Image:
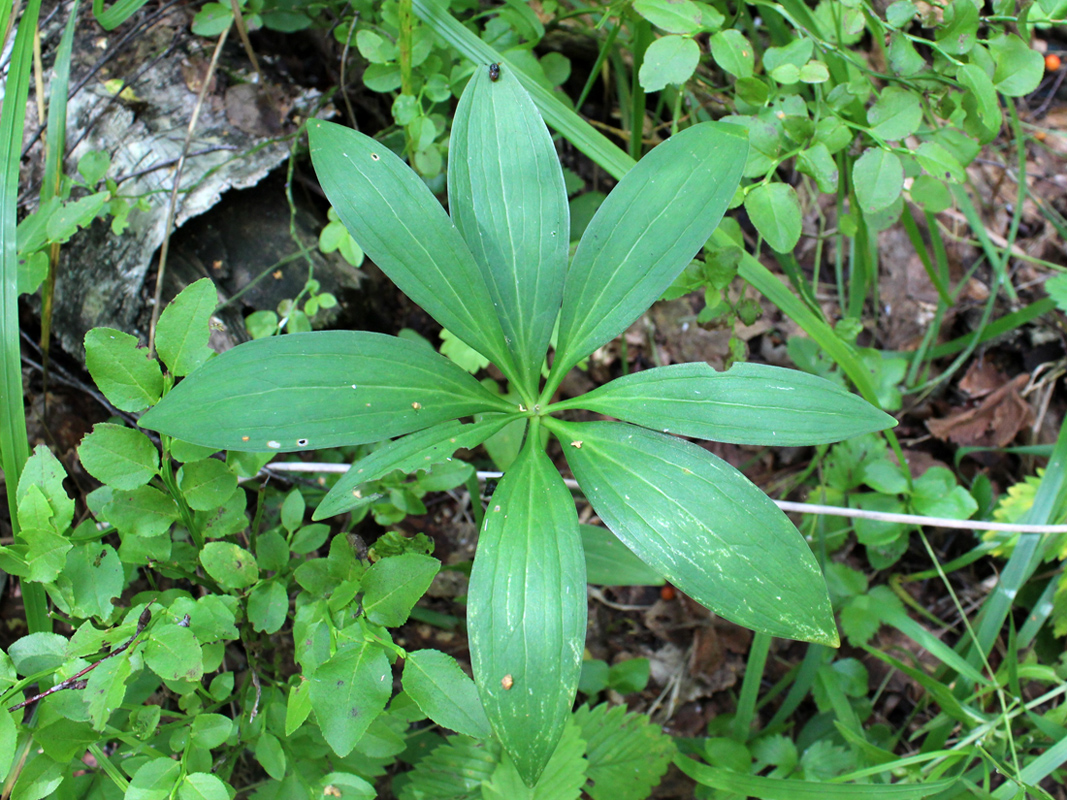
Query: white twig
x=785 y=505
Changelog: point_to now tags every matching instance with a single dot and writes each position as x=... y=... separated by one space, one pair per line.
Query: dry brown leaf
x=995 y=423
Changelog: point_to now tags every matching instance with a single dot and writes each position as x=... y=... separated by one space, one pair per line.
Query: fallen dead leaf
x=995 y=423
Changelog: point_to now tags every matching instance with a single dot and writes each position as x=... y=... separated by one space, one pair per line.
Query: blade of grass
x=1028 y=553
x=14 y=444
x=746 y=703
x=55 y=145
x=119 y=12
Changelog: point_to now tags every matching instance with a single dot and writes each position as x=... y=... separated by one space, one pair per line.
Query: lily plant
x=498 y=275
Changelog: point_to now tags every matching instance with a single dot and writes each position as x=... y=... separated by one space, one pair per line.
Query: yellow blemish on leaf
x=577 y=444
x=507 y=682
x=416 y=405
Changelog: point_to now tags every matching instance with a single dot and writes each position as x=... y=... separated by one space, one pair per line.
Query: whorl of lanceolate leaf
x=403 y=228
x=747 y=404
x=506 y=196
x=527 y=610
x=645 y=233
x=312 y=390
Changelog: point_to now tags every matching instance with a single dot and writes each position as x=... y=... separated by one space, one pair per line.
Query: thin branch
x=76 y=681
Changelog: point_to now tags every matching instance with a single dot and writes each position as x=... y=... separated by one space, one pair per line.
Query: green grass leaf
x=506 y=196
x=402 y=227
x=527 y=610
x=702 y=525
x=747 y=404
x=315 y=390
x=645 y=233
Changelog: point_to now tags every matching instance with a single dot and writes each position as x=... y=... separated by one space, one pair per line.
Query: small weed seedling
x=496 y=275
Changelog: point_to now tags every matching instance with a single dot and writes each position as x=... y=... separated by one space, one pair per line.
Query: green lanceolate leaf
x=420 y=450
x=398 y=223
x=702 y=525
x=312 y=390
x=348 y=691
x=443 y=693
x=608 y=562
x=527 y=610
x=506 y=196
x=746 y=404
x=645 y=234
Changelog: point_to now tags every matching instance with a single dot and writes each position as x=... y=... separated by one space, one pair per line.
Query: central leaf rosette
x=496 y=274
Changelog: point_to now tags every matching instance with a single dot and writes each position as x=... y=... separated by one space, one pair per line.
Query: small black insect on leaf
x=494 y=72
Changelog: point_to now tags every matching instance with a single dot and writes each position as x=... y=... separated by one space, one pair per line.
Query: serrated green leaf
x=878 y=177
x=398 y=223
x=202 y=786
x=1019 y=68
x=702 y=525
x=44 y=473
x=747 y=404
x=315 y=390
x=232 y=566
x=627 y=754
x=270 y=755
x=668 y=60
x=562 y=778
x=106 y=689
x=210 y=730
x=896 y=115
x=142 y=512
x=206 y=484
x=173 y=653
x=38 y=652
x=959 y=33
x=733 y=53
x=413 y=452
x=527 y=610
x=298 y=706
x=348 y=691
x=455 y=769
x=981 y=91
x=673 y=16
x=94 y=577
x=185 y=326
x=268 y=606
x=817 y=162
x=502 y=165
x=38 y=779
x=46 y=554
x=775 y=211
x=392 y=586
x=939 y=162
x=444 y=693
x=645 y=233
x=608 y=562
x=119 y=456
x=129 y=379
